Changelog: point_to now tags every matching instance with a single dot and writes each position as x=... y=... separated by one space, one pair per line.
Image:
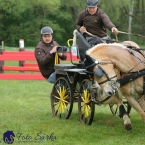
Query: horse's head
x=105 y=76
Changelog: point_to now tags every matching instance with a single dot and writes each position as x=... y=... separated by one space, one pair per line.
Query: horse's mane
x=99 y=46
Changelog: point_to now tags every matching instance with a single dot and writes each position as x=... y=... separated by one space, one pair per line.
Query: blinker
x=98 y=73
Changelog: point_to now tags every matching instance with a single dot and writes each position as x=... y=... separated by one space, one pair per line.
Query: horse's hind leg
x=136 y=106
x=142 y=102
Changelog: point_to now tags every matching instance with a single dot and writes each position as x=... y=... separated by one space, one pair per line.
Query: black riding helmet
x=91 y=3
x=46 y=30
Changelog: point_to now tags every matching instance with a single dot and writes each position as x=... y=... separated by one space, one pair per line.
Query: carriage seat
x=82 y=45
x=64 y=66
x=60 y=68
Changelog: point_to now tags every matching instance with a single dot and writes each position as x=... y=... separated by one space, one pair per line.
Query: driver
x=95 y=21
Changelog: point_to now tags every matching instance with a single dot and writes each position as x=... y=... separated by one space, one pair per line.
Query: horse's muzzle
x=115 y=86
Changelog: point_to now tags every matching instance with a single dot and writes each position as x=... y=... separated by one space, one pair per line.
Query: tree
x=25 y=18
x=131 y=6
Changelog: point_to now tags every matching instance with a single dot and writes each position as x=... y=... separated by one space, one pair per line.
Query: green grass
x=17 y=48
x=25 y=108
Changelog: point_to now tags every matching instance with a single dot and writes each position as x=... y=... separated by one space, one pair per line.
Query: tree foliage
x=25 y=18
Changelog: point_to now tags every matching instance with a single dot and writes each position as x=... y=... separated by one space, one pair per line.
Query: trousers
x=95 y=40
x=52 y=78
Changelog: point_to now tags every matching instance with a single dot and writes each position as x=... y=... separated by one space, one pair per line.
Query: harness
x=134 y=75
x=128 y=77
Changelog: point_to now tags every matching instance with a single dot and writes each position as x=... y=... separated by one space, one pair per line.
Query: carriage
x=75 y=83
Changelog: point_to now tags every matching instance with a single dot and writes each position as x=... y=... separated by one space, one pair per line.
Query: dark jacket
x=95 y=24
x=46 y=60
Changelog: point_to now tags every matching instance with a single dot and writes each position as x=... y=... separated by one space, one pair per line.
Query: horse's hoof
x=128 y=127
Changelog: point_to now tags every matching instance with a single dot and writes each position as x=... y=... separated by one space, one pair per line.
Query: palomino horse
x=131 y=67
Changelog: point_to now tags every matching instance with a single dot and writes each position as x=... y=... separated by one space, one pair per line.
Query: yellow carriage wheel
x=86 y=107
x=61 y=98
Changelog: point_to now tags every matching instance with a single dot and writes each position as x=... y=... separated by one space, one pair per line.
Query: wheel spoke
x=85 y=106
x=61 y=100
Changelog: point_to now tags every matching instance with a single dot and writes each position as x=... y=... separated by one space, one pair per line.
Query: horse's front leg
x=123 y=114
x=134 y=103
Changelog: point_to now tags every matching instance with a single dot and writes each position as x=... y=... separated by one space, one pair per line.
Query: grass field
x=25 y=110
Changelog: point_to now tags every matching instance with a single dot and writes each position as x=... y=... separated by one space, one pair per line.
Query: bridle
x=109 y=79
x=99 y=72
x=107 y=76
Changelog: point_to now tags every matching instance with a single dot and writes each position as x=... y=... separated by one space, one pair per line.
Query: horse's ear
x=89 y=63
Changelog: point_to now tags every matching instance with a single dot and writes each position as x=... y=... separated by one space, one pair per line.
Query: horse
x=113 y=63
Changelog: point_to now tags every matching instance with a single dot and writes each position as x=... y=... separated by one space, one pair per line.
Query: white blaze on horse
x=119 y=72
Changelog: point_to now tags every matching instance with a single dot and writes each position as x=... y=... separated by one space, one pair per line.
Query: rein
x=136 y=49
x=140 y=61
x=94 y=36
x=134 y=75
x=128 y=34
x=131 y=34
x=130 y=76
